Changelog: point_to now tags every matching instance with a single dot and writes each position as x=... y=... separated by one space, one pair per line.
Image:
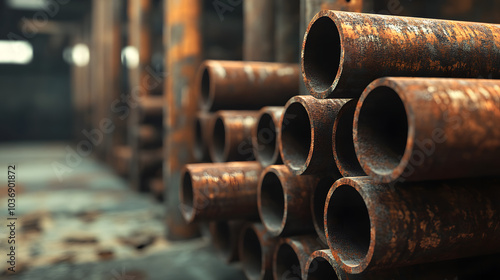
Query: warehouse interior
x=250 y=139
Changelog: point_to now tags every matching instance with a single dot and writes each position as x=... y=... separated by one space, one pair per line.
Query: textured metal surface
x=343 y=52
x=286 y=36
x=256 y=248
x=306 y=134
x=374 y=226
x=409 y=129
x=182 y=58
x=245 y=85
x=318 y=199
x=291 y=255
x=225 y=236
x=322 y=265
x=258 y=30
x=344 y=153
x=218 y=191
x=202 y=136
x=231 y=136
x=284 y=201
x=265 y=136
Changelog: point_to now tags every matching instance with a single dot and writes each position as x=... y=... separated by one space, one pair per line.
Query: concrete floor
x=87 y=224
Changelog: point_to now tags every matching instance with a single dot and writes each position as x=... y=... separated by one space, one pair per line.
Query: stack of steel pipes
x=387 y=170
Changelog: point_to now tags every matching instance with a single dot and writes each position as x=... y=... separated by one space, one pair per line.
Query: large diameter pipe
x=231 y=136
x=256 y=247
x=409 y=129
x=373 y=226
x=343 y=52
x=306 y=134
x=291 y=255
x=265 y=136
x=344 y=153
x=245 y=85
x=284 y=201
x=220 y=191
x=318 y=199
x=225 y=237
x=202 y=136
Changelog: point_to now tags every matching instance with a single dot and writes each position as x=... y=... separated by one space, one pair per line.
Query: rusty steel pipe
x=225 y=236
x=231 y=136
x=344 y=153
x=284 y=201
x=256 y=247
x=245 y=85
x=306 y=134
x=322 y=265
x=343 y=52
x=258 y=30
x=265 y=136
x=409 y=129
x=286 y=38
x=318 y=199
x=373 y=226
x=291 y=255
x=150 y=136
x=202 y=136
x=220 y=191
x=150 y=109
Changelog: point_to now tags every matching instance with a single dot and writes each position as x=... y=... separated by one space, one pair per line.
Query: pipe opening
x=320 y=269
x=266 y=139
x=322 y=52
x=319 y=200
x=382 y=130
x=205 y=86
x=187 y=197
x=222 y=237
x=198 y=140
x=251 y=257
x=343 y=142
x=348 y=225
x=296 y=136
x=272 y=202
x=219 y=140
x=287 y=262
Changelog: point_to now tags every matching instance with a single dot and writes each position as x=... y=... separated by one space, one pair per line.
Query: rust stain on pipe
x=318 y=199
x=343 y=52
x=291 y=255
x=231 y=136
x=265 y=136
x=322 y=265
x=306 y=134
x=409 y=129
x=256 y=252
x=373 y=226
x=202 y=136
x=284 y=201
x=225 y=236
x=245 y=85
x=219 y=191
x=344 y=153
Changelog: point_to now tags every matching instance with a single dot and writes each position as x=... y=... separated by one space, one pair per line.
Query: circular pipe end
x=218 y=147
x=187 y=199
x=348 y=227
x=322 y=55
x=286 y=262
x=271 y=201
x=206 y=86
x=266 y=144
x=296 y=137
x=251 y=254
x=319 y=267
x=381 y=130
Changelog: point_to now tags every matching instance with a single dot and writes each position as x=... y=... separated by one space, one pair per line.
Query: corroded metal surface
x=284 y=201
x=306 y=134
x=258 y=30
x=265 y=136
x=318 y=199
x=202 y=136
x=218 y=191
x=256 y=247
x=343 y=52
x=291 y=255
x=225 y=236
x=286 y=36
x=182 y=58
x=409 y=129
x=245 y=85
x=342 y=142
x=374 y=226
x=322 y=265
x=231 y=136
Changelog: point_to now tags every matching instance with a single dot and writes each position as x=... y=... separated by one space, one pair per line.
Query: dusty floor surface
x=85 y=223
